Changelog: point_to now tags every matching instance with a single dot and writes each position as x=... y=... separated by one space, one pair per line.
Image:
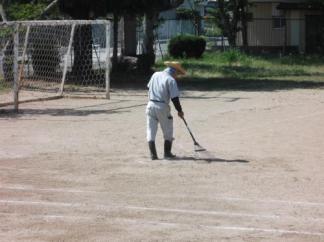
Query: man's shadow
x=209 y=159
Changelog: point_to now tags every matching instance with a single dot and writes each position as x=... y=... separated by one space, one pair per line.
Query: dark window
x=278 y=22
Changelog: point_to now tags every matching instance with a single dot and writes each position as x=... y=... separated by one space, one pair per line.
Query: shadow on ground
x=228 y=84
x=209 y=160
x=78 y=112
x=139 y=82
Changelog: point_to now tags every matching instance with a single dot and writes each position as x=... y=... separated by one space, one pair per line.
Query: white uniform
x=162 y=88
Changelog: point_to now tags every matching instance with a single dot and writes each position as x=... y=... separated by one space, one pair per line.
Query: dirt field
x=79 y=170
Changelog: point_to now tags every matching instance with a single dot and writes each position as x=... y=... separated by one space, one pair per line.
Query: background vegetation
x=234 y=69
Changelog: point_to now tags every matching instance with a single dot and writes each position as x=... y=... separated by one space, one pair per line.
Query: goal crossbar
x=54 y=22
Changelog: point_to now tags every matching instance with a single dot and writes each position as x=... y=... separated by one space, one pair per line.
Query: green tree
x=27 y=10
x=151 y=10
x=192 y=14
x=227 y=17
x=87 y=9
x=82 y=39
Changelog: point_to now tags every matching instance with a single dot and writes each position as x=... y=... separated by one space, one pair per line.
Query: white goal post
x=49 y=59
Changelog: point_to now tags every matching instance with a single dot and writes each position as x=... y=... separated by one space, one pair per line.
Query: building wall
x=261 y=10
x=260 y=29
x=261 y=32
x=302 y=15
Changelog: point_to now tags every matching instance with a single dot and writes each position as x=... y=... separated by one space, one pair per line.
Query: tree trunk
x=148 y=48
x=229 y=21
x=82 y=65
x=245 y=36
x=3 y=13
x=8 y=61
x=197 y=25
x=244 y=22
x=44 y=52
x=231 y=36
x=8 y=51
x=48 y=8
x=130 y=35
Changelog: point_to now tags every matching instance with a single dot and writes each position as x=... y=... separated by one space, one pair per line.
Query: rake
x=198 y=147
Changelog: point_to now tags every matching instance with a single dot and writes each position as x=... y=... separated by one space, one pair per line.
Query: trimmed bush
x=188 y=46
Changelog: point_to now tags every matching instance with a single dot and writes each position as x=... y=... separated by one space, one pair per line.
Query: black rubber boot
x=167 y=150
x=152 y=150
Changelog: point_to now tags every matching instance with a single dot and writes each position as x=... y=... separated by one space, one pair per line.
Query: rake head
x=198 y=148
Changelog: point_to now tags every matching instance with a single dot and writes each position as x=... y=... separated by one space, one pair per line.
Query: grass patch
x=3 y=87
x=233 y=68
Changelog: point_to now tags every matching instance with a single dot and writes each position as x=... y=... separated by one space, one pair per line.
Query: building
x=173 y=24
x=286 y=25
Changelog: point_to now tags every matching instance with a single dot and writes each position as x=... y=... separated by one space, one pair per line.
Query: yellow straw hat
x=176 y=65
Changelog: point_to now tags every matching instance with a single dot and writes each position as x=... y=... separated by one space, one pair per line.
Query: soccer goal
x=42 y=60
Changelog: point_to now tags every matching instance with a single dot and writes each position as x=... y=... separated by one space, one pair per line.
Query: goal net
x=49 y=59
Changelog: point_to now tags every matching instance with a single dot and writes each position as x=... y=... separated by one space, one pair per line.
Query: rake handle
x=193 y=138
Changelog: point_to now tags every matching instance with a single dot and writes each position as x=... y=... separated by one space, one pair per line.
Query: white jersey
x=162 y=87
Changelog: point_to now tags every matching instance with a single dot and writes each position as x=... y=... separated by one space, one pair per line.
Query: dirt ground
x=79 y=170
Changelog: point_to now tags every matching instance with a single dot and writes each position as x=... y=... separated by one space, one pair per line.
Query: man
x=163 y=88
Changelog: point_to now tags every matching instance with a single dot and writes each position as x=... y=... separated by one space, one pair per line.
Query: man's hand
x=181 y=114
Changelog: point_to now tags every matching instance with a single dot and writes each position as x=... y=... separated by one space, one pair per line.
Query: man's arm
x=177 y=105
x=174 y=94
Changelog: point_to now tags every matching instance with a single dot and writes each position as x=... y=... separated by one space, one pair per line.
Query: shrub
x=233 y=56
x=187 y=46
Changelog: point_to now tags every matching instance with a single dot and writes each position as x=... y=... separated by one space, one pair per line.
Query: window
x=278 y=22
x=278 y=18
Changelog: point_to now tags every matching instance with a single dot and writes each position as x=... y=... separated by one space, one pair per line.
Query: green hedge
x=188 y=46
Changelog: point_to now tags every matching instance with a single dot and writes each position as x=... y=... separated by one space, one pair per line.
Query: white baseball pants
x=158 y=113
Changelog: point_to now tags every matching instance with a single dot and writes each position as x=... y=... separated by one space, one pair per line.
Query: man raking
x=163 y=88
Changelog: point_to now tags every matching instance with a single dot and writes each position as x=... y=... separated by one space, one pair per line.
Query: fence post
x=22 y=65
x=15 y=68
x=285 y=36
x=108 y=64
x=66 y=60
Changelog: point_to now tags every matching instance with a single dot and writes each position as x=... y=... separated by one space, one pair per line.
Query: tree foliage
x=27 y=9
x=100 y=8
x=150 y=9
x=92 y=9
x=188 y=46
x=227 y=16
x=82 y=9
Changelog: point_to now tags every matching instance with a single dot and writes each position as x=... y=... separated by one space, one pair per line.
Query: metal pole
x=108 y=64
x=15 y=68
x=285 y=41
x=159 y=43
x=285 y=33
x=97 y=55
x=66 y=59
x=21 y=69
